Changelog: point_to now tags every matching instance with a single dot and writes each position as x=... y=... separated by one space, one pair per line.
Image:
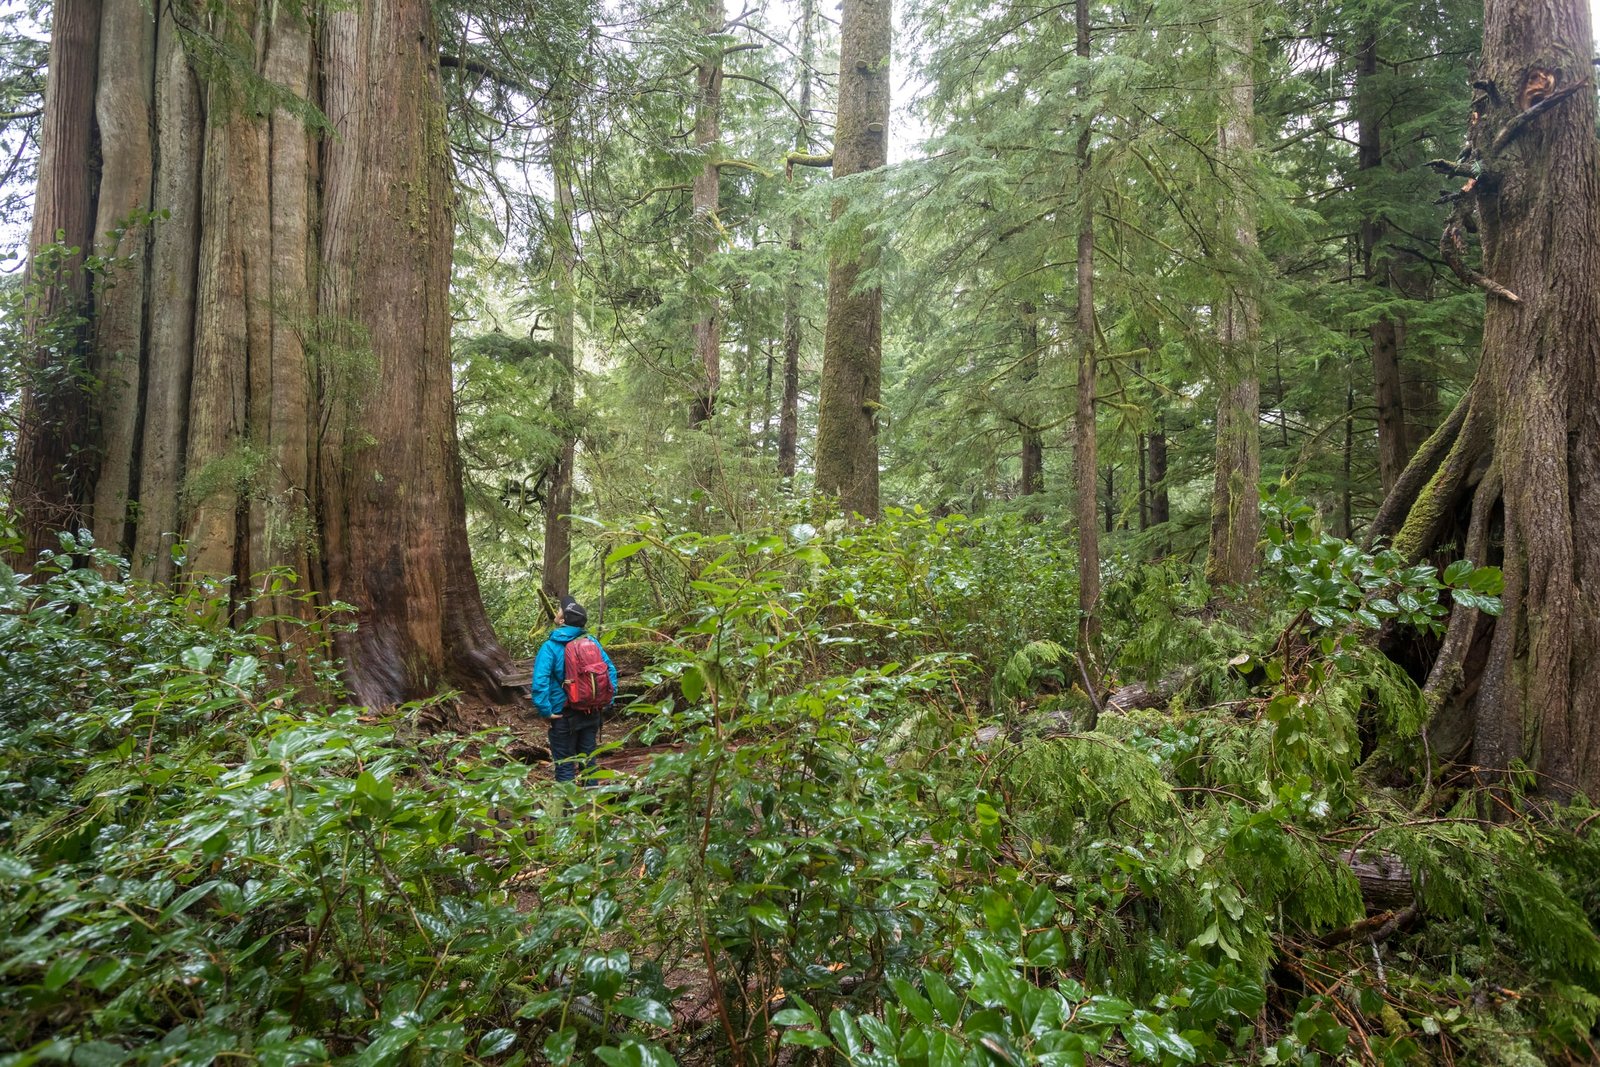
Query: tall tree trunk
x=1526 y=441
x=171 y=282
x=1160 y=501
x=1347 y=519
x=394 y=514
x=1383 y=335
x=1144 y=483
x=296 y=409
x=1085 y=459
x=1235 y=519
x=53 y=474
x=124 y=99
x=852 y=347
x=789 y=406
x=1111 y=498
x=706 y=227
x=1032 y=439
x=558 y=498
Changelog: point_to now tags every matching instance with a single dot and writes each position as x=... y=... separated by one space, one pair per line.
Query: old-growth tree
x=1518 y=463
x=50 y=489
x=288 y=401
x=852 y=354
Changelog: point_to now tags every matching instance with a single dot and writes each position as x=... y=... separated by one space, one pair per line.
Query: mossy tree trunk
x=294 y=404
x=1518 y=463
x=563 y=398
x=706 y=200
x=852 y=355
x=1235 y=516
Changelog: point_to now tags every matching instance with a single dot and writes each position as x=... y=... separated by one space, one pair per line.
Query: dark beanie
x=572 y=613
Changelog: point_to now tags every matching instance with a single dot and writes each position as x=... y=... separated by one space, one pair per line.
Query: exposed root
x=1416 y=474
x=1449 y=730
x=1436 y=503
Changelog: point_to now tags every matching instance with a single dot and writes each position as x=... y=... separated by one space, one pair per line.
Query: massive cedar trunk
x=852 y=356
x=558 y=497
x=1084 y=442
x=789 y=406
x=296 y=406
x=1235 y=519
x=124 y=101
x=1521 y=456
x=51 y=483
x=705 y=203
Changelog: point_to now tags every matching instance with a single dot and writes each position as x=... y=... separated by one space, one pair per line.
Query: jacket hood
x=562 y=634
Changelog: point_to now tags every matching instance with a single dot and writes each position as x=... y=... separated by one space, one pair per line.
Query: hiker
x=574 y=683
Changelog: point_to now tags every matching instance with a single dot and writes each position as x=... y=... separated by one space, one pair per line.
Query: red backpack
x=585 y=678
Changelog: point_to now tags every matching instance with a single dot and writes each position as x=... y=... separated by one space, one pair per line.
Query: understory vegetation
x=880 y=820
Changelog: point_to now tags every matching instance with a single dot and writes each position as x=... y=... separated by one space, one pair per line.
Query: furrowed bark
x=294 y=405
x=1534 y=410
x=282 y=519
x=123 y=103
x=852 y=361
x=395 y=523
x=174 y=251
x=50 y=484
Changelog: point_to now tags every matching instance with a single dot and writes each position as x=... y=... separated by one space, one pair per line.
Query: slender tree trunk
x=296 y=403
x=1526 y=441
x=789 y=406
x=558 y=498
x=852 y=353
x=1235 y=519
x=1160 y=502
x=1144 y=483
x=706 y=227
x=1383 y=334
x=52 y=479
x=1347 y=519
x=1111 y=499
x=1085 y=458
x=1032 y=439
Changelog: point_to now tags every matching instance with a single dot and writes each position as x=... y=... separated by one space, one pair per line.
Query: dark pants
x=573 y=737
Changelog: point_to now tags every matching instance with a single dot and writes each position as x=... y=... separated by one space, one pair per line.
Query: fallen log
x=1137 y=696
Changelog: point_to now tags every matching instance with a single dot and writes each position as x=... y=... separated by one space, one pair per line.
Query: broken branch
x=1519 y=125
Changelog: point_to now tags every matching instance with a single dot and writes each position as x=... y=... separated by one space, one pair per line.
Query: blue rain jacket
x=550 y=670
